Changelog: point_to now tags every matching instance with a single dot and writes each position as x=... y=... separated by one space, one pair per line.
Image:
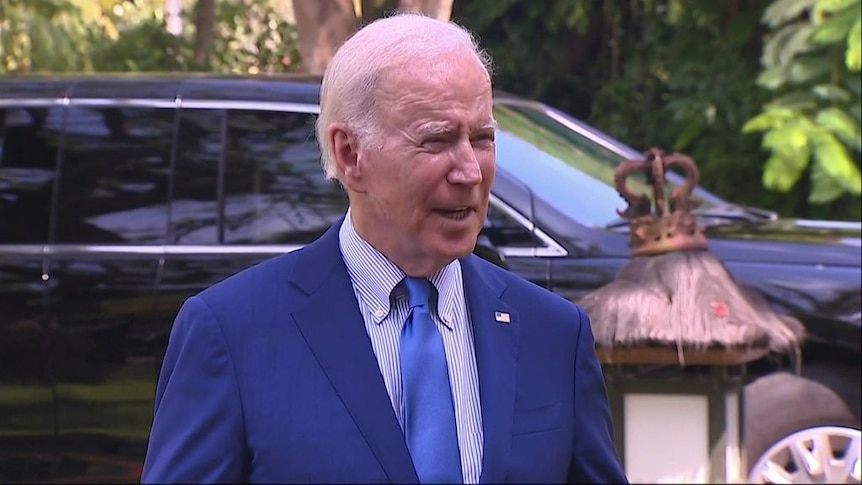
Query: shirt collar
x=375 y=277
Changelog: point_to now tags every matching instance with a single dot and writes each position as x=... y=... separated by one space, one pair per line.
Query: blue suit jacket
x=270 y=376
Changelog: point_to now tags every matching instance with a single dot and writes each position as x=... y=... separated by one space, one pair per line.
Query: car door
x=29 y=142
x=108 y=235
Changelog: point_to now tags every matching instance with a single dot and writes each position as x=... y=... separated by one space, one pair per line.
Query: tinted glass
x=561 y=166
x=275 y=190
x=272 y=186
x=194 y=202
x=505 y=232
x=114 y=176
x=29 y=140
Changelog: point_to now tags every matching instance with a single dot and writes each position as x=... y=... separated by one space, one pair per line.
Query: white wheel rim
x=825 y=454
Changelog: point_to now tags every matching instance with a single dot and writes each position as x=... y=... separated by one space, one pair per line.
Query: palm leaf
x=853 y=57
x=836 y=28
x=787 y=43
x=841 y=125
x=833 y=158
x=809 y=68
x=782 y=11
x=831 y=92
x=783 y=170
x=832 y=6
x=824 y=189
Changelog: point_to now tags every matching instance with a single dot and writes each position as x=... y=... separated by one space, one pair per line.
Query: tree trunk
x=322 y=25
x=439 y=9
x=374 y=9
x=204 y=31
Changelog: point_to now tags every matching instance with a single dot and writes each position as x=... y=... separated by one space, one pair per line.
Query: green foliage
x=783 y=11
x=853 y=58
x=251 y=38
x=690 y=96
x=684 y=75
x=108 y=35
x=164 y=52
x=538 y=47
x=813 y=125
x=41 y=35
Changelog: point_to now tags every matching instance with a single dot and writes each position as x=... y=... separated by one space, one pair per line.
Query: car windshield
x=571 y=170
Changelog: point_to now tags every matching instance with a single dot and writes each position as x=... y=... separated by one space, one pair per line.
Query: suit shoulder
x=520 y=290
x=253 y=283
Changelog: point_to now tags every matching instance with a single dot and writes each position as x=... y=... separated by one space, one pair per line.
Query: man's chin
x=460 y=249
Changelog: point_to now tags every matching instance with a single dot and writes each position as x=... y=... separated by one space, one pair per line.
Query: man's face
x=427 y=175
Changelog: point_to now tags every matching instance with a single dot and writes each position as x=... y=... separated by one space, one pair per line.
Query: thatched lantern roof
x=674 y=301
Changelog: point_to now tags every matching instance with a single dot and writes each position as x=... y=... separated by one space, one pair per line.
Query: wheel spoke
x=807 y=459
x=853 y=458
x=824 y=453
x=842 y=470
x=776 y=473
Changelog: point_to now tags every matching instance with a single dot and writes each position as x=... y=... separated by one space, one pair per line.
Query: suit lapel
x=496 y=346
x=332 y=325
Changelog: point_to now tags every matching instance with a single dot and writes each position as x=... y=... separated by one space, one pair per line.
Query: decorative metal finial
x=672 y=227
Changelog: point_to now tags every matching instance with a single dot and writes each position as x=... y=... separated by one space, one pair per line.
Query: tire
x=843 y=378
x=779 y=405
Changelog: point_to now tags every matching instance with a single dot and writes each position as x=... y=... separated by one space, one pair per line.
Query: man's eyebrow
x=444 y=127
x=434 y=128
x=488 y=125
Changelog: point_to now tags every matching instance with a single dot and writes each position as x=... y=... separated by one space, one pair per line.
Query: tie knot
x=418 y=291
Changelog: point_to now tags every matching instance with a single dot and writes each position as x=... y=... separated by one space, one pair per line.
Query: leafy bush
x=811 y=62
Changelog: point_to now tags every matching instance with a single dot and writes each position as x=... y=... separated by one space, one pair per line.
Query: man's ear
x=345 y=148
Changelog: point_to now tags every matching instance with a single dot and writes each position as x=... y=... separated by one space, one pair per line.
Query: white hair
x=347 y=93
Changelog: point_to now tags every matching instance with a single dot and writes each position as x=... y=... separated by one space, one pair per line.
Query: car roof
x=292 y=87
x=281 y=87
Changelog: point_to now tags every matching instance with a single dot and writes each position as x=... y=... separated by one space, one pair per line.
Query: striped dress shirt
x=385 y=311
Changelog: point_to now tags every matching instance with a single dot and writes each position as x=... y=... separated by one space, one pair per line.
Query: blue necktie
x=429 y=415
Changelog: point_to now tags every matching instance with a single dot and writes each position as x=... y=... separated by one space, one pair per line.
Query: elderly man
x=385 y=351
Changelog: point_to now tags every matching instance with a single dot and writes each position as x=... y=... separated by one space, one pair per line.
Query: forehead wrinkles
x=443 y=80
x=430 y=108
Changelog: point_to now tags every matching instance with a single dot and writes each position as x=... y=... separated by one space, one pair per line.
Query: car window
x=114 y=175
x=561 y=166
x=503 y=231
x=29 y=139
x=273 y=190
x=539 y=129
x=194 y=212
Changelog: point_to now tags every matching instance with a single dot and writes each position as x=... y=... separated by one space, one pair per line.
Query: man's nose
x=466 y=170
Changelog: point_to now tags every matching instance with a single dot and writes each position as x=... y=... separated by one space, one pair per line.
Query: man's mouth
x=457 y=213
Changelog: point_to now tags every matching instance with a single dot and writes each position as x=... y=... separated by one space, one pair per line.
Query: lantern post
x=675 y=334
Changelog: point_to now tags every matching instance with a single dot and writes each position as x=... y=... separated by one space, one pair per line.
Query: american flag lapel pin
x=502 y=317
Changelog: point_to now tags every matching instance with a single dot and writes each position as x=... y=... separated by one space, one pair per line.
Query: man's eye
x=483 y=139
x=435 y=142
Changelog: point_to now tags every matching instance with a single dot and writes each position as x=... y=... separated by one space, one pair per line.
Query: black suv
x=122 y=196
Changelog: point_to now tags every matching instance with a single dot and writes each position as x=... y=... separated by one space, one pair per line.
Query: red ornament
x=719 y=309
